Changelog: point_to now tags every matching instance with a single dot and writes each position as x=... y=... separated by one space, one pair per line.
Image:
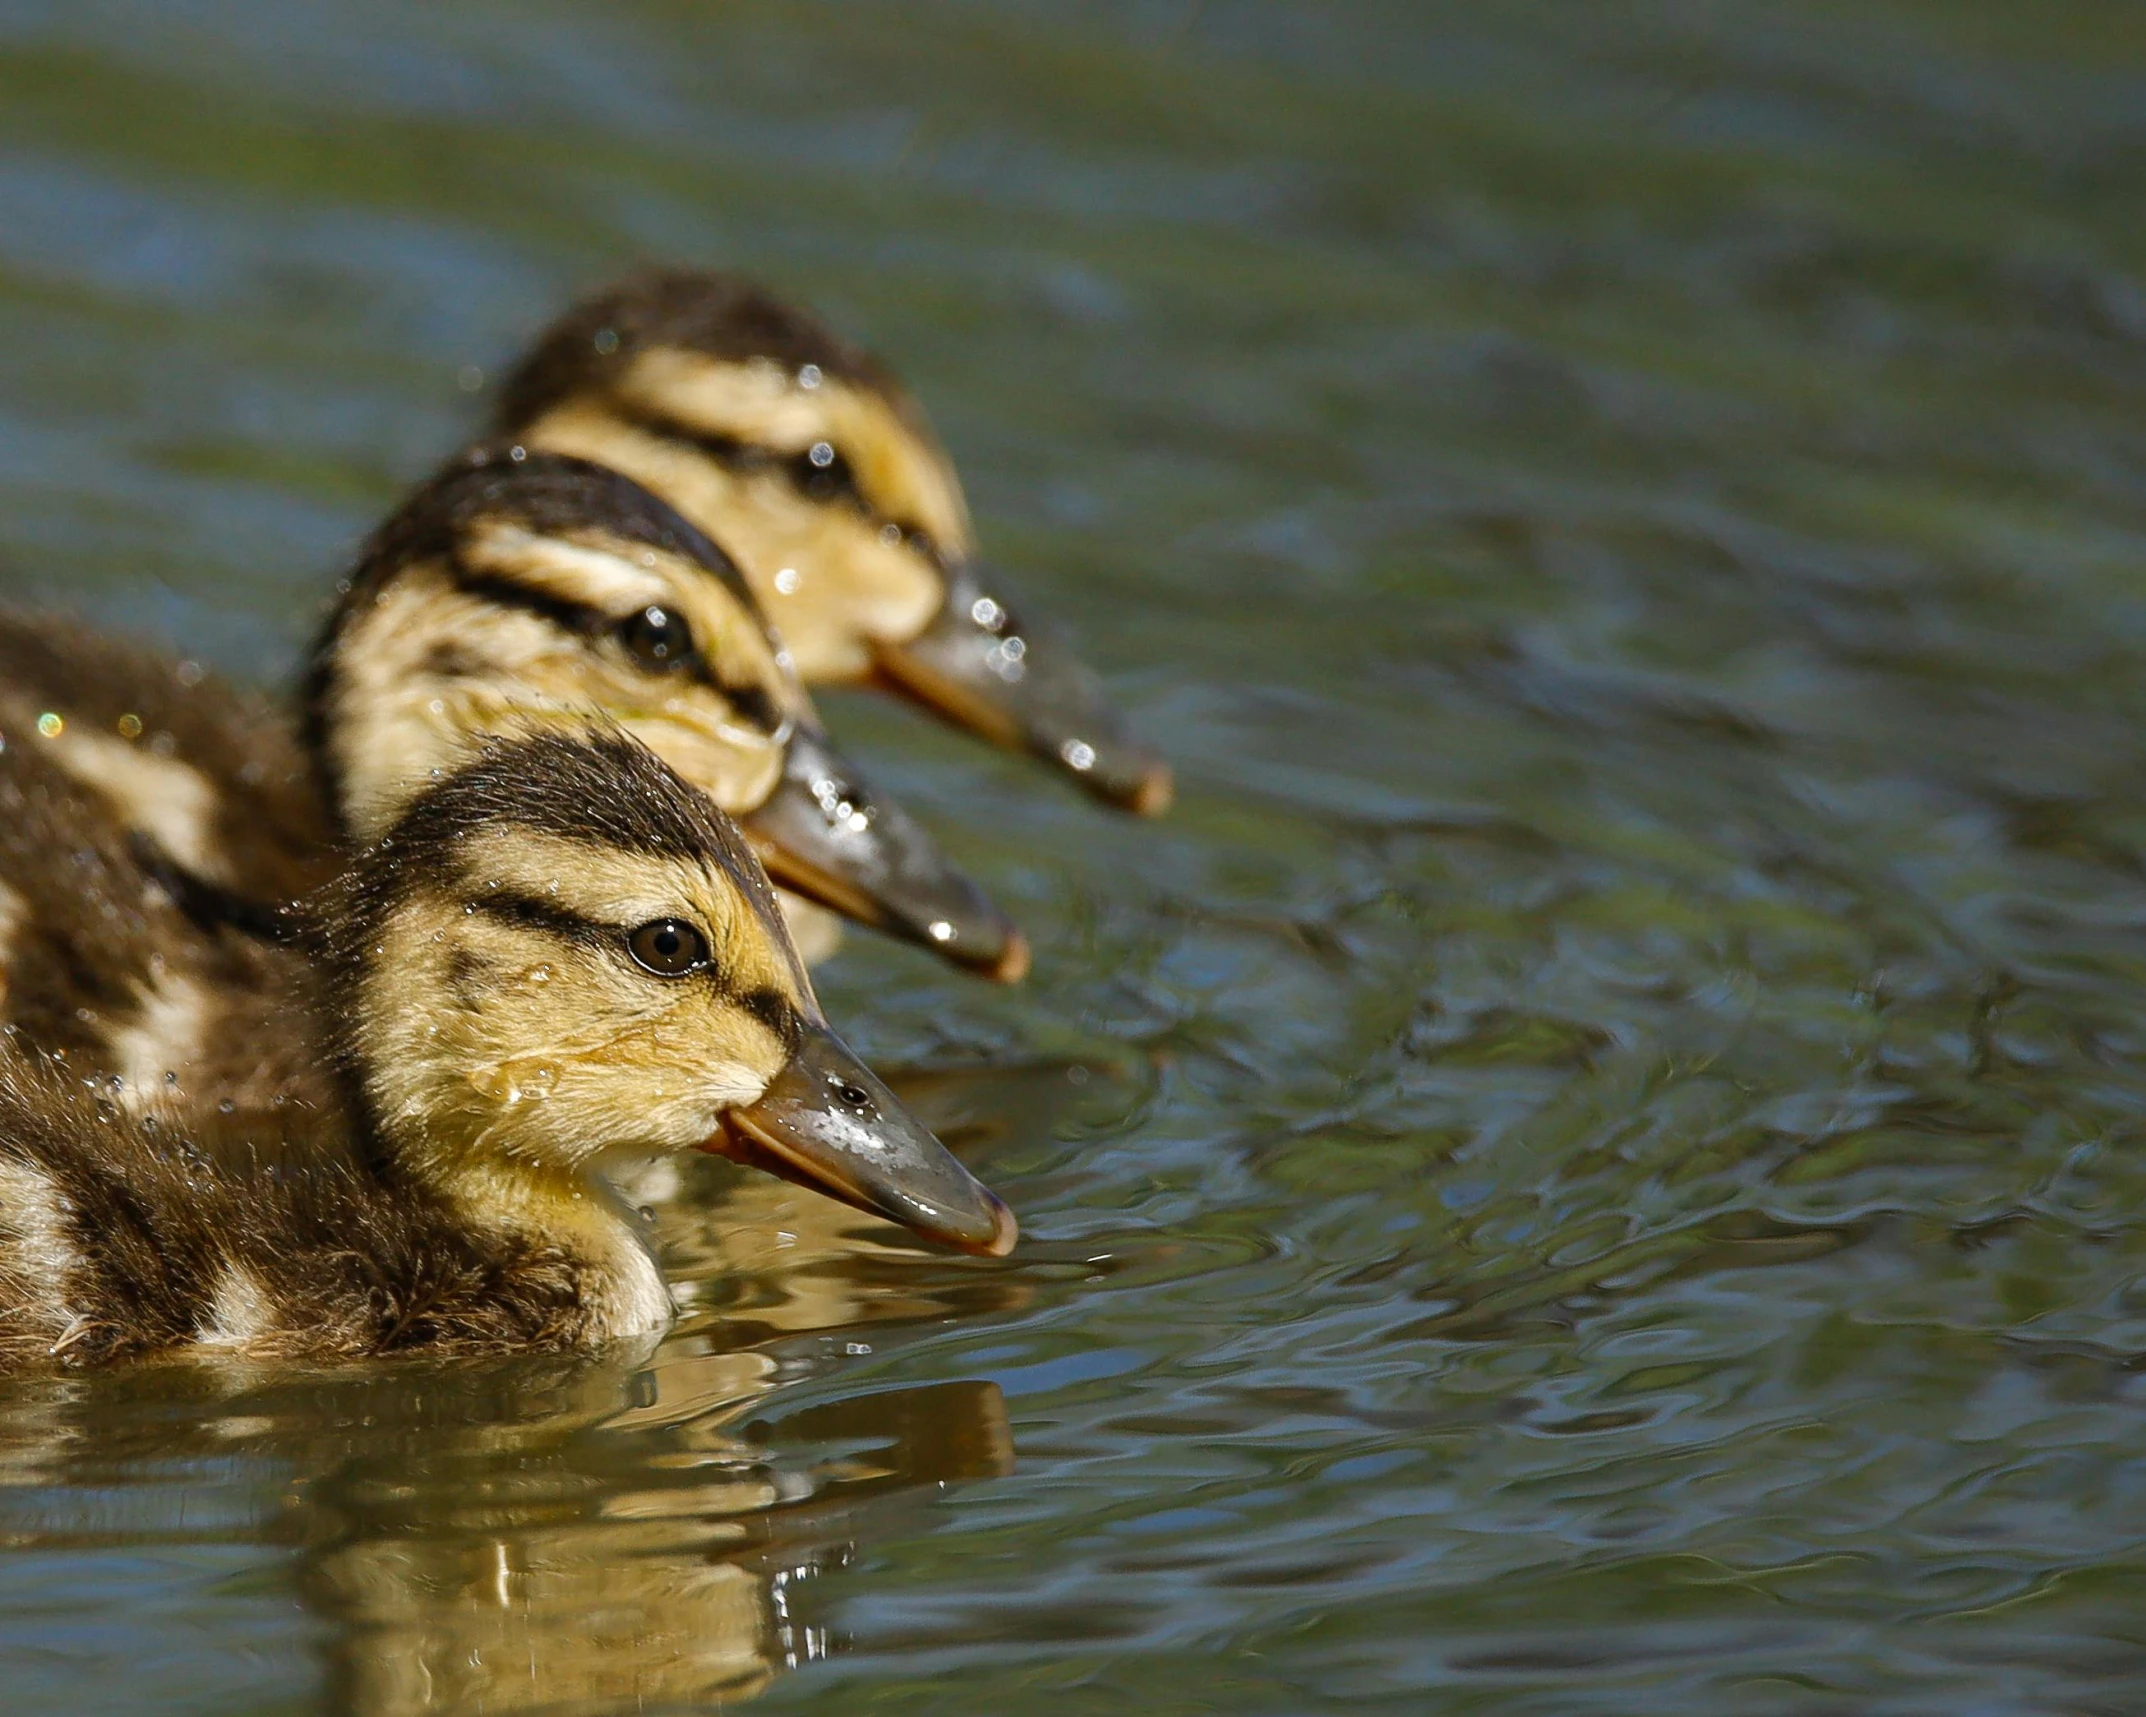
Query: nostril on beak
x=851 y=1096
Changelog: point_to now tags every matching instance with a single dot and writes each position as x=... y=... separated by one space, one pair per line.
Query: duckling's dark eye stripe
x=728 y=451
x=731 y=452
x=748 y=699
x=529 y=913
x=755 y=706
x=801 y=470
x=583 y=619
x=752 y=702
x=774 y=1010
x=769 y=1006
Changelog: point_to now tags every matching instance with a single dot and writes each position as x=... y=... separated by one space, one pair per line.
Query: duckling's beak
x=1018 y=687
x=826 y=1122
x=826 y=836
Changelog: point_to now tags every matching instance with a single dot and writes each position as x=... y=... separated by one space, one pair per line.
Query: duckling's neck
x=622 y=1289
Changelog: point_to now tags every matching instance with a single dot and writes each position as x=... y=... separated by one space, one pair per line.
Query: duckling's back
x=126 y=1234
x=212 y=773
x=105 y=967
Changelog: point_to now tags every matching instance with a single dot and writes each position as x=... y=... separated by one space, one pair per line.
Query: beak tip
x=1156 y=790
x=1005 y=1231
x=1012 y=965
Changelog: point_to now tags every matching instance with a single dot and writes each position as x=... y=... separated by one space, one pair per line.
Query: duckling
x=558 y=956
x=805 y=458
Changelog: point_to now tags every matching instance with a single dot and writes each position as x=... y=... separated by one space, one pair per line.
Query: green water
x=1593 y=1165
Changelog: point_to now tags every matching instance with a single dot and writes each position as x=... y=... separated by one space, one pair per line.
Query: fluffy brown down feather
x=350 y=1259
x=90 y=936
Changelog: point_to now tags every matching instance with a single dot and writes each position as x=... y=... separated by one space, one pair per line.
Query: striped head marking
x=517 y=591
x=561 y=952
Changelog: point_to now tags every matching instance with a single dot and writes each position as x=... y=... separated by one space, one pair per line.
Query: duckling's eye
x=668 y=947
x=822 y=473
x=659 y=639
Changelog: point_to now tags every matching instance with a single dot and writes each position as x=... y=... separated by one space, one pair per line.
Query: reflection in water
x=615 y=1559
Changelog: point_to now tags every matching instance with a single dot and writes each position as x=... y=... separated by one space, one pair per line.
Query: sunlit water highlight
x=1592 y=1165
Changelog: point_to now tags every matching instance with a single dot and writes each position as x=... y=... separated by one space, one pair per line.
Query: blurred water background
x=1591 y=1166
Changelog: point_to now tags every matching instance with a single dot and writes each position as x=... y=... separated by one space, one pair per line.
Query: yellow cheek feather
x=515 y=1039
x=506 y=1042
x=830 y=584
x=562 y=1102
x=396 y=722
x=737 y=768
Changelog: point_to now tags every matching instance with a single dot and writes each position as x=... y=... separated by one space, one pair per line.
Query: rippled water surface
x=1593 y=1164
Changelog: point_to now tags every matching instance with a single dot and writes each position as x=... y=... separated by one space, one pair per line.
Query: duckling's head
x=811 y=465
x=562 y=956
x=519 y=589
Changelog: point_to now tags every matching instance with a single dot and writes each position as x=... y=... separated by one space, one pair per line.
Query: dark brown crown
x=717 y=315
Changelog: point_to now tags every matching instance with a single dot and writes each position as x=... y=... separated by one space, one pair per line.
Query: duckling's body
x=213 y=776
x=559 y=957
x=806 y=459
x=119 y=1236
x=106 y=968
